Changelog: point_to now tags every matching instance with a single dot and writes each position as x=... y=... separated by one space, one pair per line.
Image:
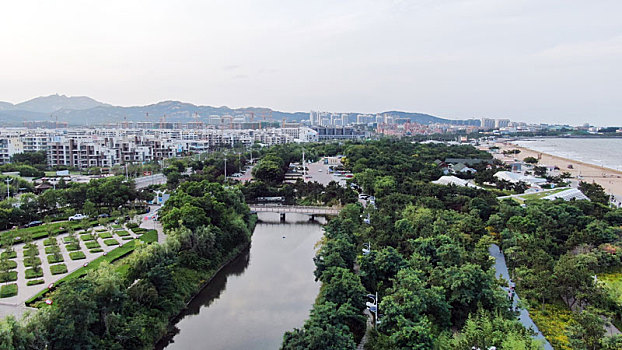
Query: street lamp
x=373 y=307
x=366 y=249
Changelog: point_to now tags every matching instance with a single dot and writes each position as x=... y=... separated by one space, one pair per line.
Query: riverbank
x=609 y=179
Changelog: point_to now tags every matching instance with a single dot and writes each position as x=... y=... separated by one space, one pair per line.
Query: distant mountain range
x=82 y=110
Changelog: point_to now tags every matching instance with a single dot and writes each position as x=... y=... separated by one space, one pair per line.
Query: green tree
x=587 y=331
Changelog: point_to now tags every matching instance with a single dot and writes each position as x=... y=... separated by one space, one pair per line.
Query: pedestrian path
x=501 y=271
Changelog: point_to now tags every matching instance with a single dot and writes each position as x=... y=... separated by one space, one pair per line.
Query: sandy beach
x=609 y=179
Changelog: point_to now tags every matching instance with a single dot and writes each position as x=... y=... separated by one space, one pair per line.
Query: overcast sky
x=531 y=60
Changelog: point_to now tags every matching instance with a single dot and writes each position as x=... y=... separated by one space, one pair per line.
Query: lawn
x=11 y=276
x=58 y=269
x=539 y=195
x=122 y=233
x=49 y=241
x=77 y=255
x=96 y=250
x=105 y=235
x=34 y=282
x=28 y=261
x=31 y=273
x=11 y=254
x=111 y=241
x=91 y=244
x=88 y=237
x=8 y=290
x=12 y=264
x=72 y=247
x=52 y=259
x=27 y=251
x=613 y=283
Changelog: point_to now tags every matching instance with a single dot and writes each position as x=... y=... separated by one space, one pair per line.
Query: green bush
x=52 y=259
x=28 y=261
x=116 y=226
x=11 y=276
x=122 y=233
x=127 y=238
x=8 y=290
x=49 y=250
x=91 y=244
x=77 y=255
x=68 y=240
x=105 y=235
x=34 y=282
x=72 y=247
x=132 y=225
x=96 y=250
x=31 y=273
x=58 y=269
x=88 y=237
x=49 y=241
x=110 y=242
x=11 y=254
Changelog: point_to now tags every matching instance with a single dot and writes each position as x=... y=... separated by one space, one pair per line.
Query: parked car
x=363 y=196
x=78 y=217
x=34 y=223
x=104 y=215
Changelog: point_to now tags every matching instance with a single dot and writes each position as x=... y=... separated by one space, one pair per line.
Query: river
x=268 y=290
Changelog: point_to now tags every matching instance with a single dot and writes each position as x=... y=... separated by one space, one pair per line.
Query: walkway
x=501 y=270
x=368 y=328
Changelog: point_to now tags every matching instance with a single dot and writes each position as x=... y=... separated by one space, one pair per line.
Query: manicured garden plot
x=31 y=273
x=52 y=259
x=88 y=237
x=72 y=247
x=10 y=255
x=34 y=282
x=77 y=255
x=49 y=241
x=28 y=262
x=8 y=290
x=105 y=235
x=91 y=244
x=96 y=250
x=58 y=269
x=8 y=277
x=122 y=233
x=111 y=241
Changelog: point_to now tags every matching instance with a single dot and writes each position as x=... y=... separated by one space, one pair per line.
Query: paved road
x=501 y=270
x=318 y=172
x=145 y=181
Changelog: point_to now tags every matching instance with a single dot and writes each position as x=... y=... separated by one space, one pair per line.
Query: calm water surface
x=268 y=290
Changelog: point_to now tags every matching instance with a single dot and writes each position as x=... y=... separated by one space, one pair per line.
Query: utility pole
x=225 y=168
x=304 y=169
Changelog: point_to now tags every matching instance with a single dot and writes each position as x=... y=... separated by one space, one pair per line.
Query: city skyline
x=552 y=63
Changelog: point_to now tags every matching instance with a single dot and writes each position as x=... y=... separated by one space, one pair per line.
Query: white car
x=78 y=217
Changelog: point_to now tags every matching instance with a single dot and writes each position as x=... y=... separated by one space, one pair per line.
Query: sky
x=551 y=61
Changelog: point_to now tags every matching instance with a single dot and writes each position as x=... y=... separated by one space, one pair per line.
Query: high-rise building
x=502 y=123
x=487 y=123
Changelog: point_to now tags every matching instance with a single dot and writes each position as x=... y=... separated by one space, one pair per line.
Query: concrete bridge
x=299 y=209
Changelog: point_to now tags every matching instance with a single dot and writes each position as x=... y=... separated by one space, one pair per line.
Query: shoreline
x=610 y=179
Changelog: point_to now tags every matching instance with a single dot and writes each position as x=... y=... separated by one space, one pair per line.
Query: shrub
x=122 y=233
x=11 y=276
x=8 y=290
x=105 y=235
x=88 y=237
x=48 y=241
x=110 y=242
x=91 y=244
x=101 y=230
x=139 y=230
x=69 y=240
x=58 y=269
x=34 y=282
x=72 y=247
x=11 y=254
x=127 y=238
x=28 y=261
x=96 y=250
x=31 y=273
x=52 y=259
x=49 y=250
x=116 y=226
x=77 y=255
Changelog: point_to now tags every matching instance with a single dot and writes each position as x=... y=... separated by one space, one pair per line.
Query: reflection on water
x=266 y=291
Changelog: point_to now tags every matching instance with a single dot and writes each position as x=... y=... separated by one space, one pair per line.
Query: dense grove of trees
x=101 y=195
x=131 y=309
x=428 y=260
